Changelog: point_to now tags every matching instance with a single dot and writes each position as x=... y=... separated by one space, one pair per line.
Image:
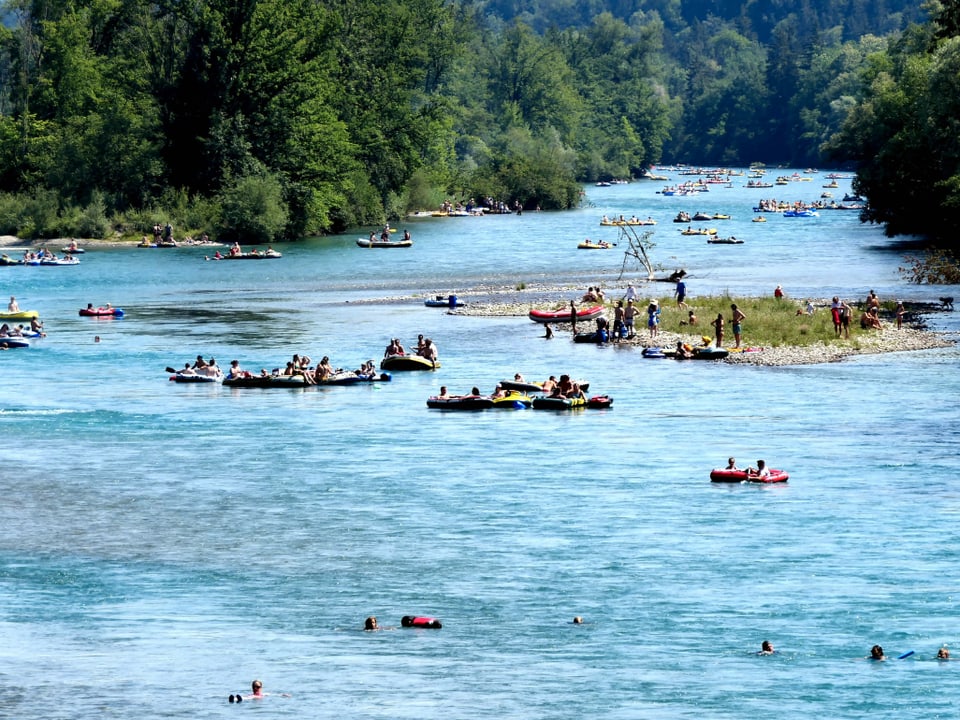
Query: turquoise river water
x=161 y=545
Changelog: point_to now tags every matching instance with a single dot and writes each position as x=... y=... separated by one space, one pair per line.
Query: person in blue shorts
x=737 y=322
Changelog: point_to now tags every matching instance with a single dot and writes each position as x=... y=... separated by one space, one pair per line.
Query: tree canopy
x=279 y=118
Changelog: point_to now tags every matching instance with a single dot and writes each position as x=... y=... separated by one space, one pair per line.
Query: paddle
x=172 y=370
x=905 y=655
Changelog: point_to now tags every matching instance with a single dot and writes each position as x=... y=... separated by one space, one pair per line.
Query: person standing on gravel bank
x=737 y=320
x=718 y=327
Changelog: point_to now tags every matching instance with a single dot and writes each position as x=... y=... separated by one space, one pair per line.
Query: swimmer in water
x=370 y=623
x=766 y=648
x=578 y=620
x=876 y=653
x=256 y=693
x=943 y=653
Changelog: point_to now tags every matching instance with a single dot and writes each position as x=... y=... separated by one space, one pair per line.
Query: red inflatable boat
x=564 y=315
x=736 y=476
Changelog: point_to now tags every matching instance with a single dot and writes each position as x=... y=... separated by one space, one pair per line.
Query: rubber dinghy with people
x=265 y=381
x=564 y=315
x=200 y=375
x=408 y=363
x=535 y=387
x=19 y=315
x=473 y=401
x=367 y=243
x=726 y=475
x=107 y=311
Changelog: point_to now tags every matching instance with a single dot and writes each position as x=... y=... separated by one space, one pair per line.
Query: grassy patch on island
x=769 y=322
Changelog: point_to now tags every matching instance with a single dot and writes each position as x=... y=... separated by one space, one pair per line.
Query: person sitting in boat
x=367 y=370
x=731 y=464
x=499 y=392
x=210 y=369
x=429 y=351
x=550 y=384
x=761 y=471
x=517 y=377
x=187 y=370
x=4 y=330
x=270 y=251
x=684 y=351
x=443 y=392
x=16 y=331
x=37 y=327
x=564 y=388
x=236 y=371
x=406 y=236
x=200 y=362
x=290 y=370
x=235 y=250
x=13 y=306
x=394 y=348
x=324 y=369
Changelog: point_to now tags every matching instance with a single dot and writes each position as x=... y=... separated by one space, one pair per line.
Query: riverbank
x=914 y=335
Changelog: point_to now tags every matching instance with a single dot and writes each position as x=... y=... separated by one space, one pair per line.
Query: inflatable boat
x=722 y=475
x=460 y=402
x=555 y=403
x=101 y=312
x=408 y=362
x=266 y=381
x=513 y=400
x=564 y=314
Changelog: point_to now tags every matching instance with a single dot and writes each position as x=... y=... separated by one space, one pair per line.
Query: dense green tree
x=905 y=136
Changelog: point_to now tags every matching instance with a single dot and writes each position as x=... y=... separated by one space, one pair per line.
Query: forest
x=276 y=119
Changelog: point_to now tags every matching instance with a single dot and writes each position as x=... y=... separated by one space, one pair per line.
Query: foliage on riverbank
x=937 y=267
x=283 y=118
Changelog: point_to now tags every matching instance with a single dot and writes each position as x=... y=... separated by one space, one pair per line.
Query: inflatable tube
x=14 y=342
x=420 y=622
x=653 y=352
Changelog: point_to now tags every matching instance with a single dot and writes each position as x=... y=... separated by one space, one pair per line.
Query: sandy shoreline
x=493 y=301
